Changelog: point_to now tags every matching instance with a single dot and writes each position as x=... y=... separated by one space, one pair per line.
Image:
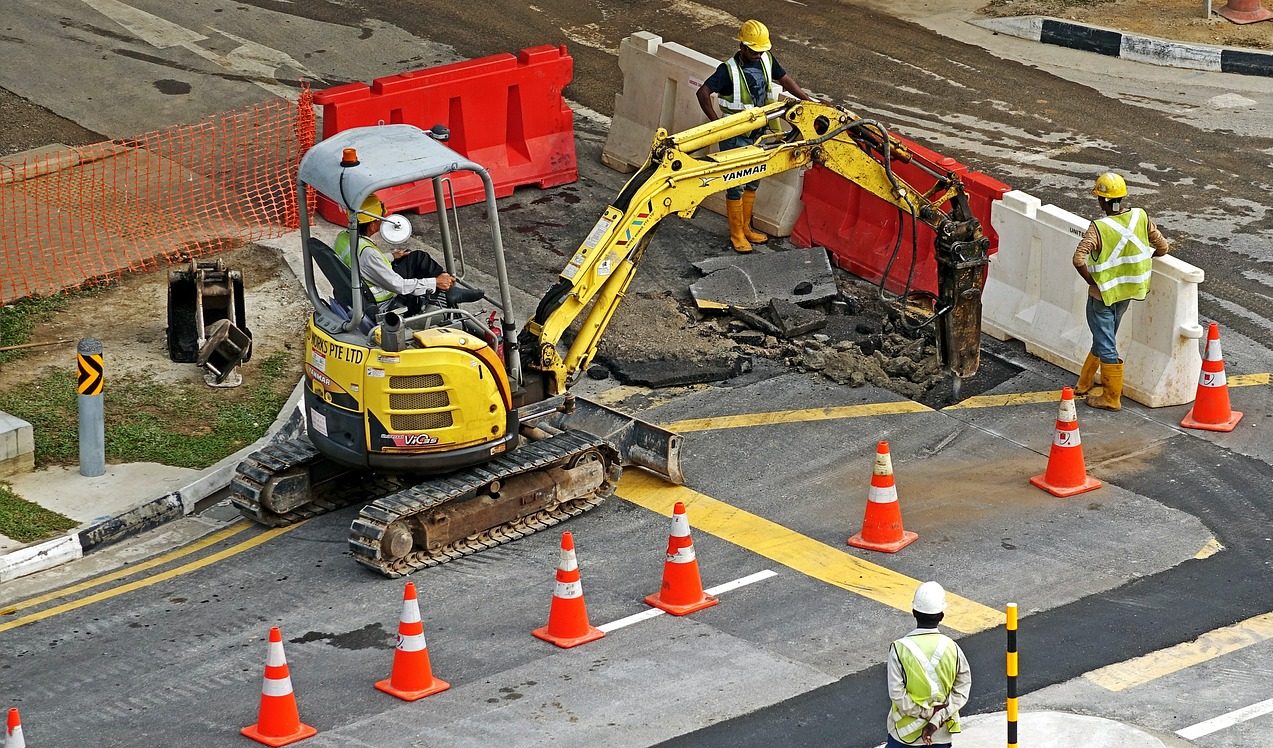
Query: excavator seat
x=337 y=274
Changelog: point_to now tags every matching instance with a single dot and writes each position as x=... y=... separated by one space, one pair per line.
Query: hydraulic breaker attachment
x=961 y=274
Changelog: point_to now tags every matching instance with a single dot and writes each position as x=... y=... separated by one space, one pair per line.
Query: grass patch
x=27 y=522
x=182 y=425
x=19 y=319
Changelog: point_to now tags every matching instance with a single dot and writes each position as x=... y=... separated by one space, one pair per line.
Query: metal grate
x=415 y=381
x=419 y=400
x=419 y=421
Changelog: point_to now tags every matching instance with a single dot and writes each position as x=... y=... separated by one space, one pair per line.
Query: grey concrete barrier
x=1034 y=295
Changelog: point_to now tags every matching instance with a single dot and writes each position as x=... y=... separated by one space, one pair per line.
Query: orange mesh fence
x=69 y=216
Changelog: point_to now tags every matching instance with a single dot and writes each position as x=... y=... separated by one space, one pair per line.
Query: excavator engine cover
x=199 y=297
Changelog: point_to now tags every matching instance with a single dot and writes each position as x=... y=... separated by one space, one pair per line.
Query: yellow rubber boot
x=734 y=209
x=1088 y=375
x=753 y=236
x=1111 y=396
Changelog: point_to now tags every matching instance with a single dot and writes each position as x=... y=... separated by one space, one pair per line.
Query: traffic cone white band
x=569 y=590
x=1213 y=379
x=277 y=686
x=1213 y=351
x=1064 y=438
x=275 y=656
x=682 y=556
x=680 y=526
x=411 y=642
x=15 y=739
x=1066 y=412
x=882 y=494
x=883 y=463
x=410 y=611
x=568 y=561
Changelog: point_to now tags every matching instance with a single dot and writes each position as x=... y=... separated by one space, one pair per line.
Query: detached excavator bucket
x=200 y=296
x=638 y=442
x=226 y=348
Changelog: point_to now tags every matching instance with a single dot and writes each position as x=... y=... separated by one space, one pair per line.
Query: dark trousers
x=893 y=742
x=416 y=264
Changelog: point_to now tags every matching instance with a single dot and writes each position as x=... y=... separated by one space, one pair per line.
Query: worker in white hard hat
x=1115 y=257
x=752 y=77
x=928 y=677
x=400 y=278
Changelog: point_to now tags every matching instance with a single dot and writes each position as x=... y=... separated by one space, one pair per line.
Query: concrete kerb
x=149 y=514
x=1136 y=48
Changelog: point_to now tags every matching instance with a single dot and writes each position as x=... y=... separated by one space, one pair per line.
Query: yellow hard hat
x=373 y=206
x=754 y=35
x=1110 y=186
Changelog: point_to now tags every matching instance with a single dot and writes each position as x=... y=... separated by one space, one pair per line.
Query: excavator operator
x=752 y=77
x=401 y=278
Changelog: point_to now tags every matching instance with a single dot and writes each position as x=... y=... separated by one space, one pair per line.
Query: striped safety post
x=91 y=412
x=1012 y=675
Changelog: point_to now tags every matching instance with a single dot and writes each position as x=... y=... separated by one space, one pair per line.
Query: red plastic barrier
x=506 y=113
x=859 y=230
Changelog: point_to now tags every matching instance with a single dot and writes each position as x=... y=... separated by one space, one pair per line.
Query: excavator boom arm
x=678 y=176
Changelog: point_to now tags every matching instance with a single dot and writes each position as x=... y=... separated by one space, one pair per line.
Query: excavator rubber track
x=255 y=472
x=367 y=531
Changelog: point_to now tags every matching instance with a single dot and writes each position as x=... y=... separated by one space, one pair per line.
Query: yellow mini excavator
x=457 y=437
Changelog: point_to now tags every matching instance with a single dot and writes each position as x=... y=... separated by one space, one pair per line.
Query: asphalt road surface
x=173 y=653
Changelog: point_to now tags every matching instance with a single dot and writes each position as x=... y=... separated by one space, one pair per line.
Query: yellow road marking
x=1209 y=549
x=797 y=416
x=130 y=570
x=1141 y=670
x=798 y=552
x=893 y=408
x=195 y=565
x=1016 y=398
x=1248 y=380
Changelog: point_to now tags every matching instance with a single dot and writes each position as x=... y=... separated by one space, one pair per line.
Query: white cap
x=930 y=598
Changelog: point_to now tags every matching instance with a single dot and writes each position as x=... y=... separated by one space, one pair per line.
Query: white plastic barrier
x=660 y=81
x=1034 y=295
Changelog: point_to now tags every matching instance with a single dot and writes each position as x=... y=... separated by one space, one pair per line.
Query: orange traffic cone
x=1245 y=11
x=882 y=527
x=568 y=616
x=13 y=731
x=682 y=590
x=1066 y=474
x=278 y=722
x=1210 y=410
x=412 y=676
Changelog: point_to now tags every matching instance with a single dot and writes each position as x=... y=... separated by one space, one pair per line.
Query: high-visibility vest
x=740 y=96
x=1126 y=259
x=930 y=662
x=341 y=249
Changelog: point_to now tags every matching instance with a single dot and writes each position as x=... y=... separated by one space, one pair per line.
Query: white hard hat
x=930 y=598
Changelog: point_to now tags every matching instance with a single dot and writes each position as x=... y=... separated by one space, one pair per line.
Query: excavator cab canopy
x=351 y=165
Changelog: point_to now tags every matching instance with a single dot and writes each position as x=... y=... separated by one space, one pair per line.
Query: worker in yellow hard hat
x=1115 y=257
x=752 y=77
x=399 y=278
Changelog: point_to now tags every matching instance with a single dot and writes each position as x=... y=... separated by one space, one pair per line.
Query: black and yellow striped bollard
x=1012 y=675
x=91 y=412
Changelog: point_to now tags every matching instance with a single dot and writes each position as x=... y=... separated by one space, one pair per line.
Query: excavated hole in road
x=659 y=341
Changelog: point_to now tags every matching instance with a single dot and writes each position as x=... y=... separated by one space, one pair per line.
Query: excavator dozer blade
x=638 y=442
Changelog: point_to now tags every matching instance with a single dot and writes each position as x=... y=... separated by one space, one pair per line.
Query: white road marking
x=1215 y=724
x=719 y=589
x=255 y=61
